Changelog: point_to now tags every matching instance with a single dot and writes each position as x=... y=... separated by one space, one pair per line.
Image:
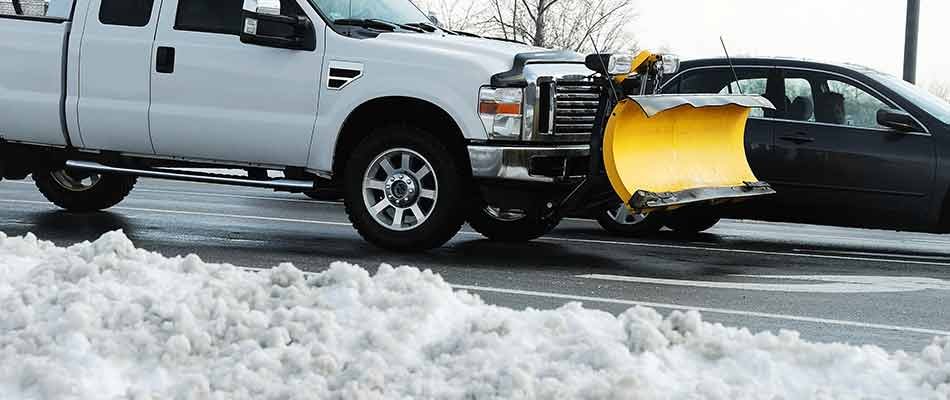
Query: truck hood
x=488 y=55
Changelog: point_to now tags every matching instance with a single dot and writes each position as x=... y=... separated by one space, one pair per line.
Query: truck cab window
x=220 y=16
x=125 y=12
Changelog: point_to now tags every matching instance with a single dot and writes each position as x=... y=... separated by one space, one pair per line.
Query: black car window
x=723 y=81
x=828 y=98
x=800 y=99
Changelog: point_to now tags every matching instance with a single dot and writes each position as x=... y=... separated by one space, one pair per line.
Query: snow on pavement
x=106 y=320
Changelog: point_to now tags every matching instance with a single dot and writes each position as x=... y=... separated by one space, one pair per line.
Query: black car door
x=763 y=81
x=834 y=164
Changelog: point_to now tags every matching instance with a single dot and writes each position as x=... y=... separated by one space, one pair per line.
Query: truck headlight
x=610 y=64
x=501 y=112
x=668 y=64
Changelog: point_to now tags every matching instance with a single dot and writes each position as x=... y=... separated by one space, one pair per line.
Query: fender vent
x=341 y=74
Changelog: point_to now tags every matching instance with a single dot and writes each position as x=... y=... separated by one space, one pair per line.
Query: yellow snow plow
x=663 y=152
x=667 y=151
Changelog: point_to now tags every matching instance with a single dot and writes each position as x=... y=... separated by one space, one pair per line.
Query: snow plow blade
x=667 y=151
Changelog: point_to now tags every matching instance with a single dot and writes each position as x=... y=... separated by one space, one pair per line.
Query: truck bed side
x=32 y=79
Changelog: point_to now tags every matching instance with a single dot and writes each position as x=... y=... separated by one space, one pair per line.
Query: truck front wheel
x=507 y=226
x=83 y=192
x=403 y=190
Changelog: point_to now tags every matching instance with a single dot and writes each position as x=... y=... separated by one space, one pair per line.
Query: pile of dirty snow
x=105 y=320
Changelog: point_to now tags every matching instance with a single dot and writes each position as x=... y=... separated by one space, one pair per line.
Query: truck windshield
x=395 y=11
x=933 y=105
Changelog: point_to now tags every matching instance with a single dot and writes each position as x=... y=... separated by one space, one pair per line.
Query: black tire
x=523 y=229
x=692 y=219
x=325 y=195
x=634 y=226
x=447 y=212
x=104 y=193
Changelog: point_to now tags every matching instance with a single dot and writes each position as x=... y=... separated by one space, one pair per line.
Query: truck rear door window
x=125 y=12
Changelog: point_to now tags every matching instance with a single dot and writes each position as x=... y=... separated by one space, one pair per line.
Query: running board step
x=276 y=184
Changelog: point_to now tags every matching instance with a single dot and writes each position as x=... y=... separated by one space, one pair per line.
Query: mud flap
x=667 y=151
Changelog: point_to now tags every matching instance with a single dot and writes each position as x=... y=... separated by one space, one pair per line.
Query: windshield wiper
x=374 y=23
x=424 y=26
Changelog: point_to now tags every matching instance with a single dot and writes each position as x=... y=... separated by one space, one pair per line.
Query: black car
x=846 y=145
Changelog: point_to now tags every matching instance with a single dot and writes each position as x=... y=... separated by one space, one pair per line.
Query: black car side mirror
x=898 y=120
x=265 y=26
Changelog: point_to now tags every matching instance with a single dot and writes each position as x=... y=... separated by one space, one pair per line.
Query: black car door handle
x=165 y=60
x=798 y=139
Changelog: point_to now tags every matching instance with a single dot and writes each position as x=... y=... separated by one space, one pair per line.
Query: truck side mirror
x=898 y=120
x=265 y=26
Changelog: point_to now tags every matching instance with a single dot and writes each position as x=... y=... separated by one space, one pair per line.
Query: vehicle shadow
x=63 y=224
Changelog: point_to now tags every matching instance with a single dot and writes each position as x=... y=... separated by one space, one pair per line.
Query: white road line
x=203 y=214
x=238 y=196
x=836 y=284
x=668 y=306
x=710 y=310
x=545 y=238
x=211 y=194
x=871 y=253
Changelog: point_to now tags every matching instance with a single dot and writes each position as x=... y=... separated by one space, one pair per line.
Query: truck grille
x=575 y=106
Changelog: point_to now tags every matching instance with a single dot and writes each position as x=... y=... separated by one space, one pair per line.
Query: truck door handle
x=165 y=60
x=798 y=139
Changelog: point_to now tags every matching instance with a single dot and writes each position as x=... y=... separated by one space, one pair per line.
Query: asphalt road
x=831 y=284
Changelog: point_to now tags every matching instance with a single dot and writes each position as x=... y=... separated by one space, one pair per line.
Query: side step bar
x=276 y=184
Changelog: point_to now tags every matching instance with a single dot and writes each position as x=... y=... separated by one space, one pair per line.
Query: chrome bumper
x=525 y=163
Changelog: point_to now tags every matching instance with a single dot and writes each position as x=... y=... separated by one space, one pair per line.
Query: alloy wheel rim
x=400 y=189
x=504 y=215
x=75 y=183
x=623 y=216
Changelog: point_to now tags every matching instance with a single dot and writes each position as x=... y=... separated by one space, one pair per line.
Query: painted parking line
x=680 y=307
x=829 y=284
x=740 y=251
x=545 y=238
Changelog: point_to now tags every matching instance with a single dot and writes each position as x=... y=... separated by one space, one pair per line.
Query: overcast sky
x=868 y=32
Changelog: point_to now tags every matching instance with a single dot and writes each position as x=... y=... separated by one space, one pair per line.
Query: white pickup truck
x=421 y=128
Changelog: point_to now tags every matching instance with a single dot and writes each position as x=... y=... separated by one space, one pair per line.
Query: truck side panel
x=31 y=80
x=114 y=64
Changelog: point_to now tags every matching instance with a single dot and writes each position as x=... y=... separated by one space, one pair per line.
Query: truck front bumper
x=539 y=164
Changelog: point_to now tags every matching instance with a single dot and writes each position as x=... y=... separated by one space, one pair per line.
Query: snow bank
x=105 y=320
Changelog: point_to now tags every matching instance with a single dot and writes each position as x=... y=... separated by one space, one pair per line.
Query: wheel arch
x=398 y=109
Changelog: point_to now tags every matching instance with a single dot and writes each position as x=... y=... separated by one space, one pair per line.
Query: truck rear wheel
x=505 y=226
x=403 y=190
x=83 y=192
x=620 y=221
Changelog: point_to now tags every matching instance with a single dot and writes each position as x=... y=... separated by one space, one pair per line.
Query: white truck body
x=79 y=84
x=226 y=101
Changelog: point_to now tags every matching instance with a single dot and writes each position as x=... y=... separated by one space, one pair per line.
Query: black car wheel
x=692 y=219
x=620 y=220
x=508 y=226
